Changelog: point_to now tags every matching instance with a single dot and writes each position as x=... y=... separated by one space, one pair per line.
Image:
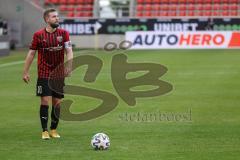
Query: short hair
x=47 y=11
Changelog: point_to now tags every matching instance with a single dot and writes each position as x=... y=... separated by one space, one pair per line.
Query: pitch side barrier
x=121 y=26
x=101 y=31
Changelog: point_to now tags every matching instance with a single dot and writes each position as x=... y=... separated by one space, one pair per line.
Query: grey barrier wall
x=4 y=45
x=26 y=15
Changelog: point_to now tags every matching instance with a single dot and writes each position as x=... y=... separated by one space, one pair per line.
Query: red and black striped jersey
x=50 y=47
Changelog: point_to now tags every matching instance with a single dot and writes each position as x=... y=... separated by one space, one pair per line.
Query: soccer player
x=51 y=42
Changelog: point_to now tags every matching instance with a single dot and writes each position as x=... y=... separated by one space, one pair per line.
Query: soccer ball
x=100 y=141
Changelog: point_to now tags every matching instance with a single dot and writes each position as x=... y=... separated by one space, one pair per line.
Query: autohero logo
x=172 y=39
x=184 y=40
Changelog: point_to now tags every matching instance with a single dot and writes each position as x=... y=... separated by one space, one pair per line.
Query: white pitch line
x=22 y=62
x=12 y=64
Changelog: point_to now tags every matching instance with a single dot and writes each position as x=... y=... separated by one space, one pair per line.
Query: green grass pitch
x=207 y=82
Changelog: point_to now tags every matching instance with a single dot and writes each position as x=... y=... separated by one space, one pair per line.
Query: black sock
x=55 y=116
x=44 y=116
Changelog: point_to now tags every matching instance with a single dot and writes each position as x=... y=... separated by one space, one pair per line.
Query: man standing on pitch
x=50 y=42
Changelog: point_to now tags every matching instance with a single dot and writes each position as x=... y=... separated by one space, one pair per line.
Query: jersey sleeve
x=34 y=43
x=67 y=42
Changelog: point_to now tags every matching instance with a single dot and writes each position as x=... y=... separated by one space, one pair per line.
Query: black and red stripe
x=48 y=58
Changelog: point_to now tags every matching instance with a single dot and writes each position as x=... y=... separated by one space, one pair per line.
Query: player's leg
x=57 y=95
x=44 y=93
x=44 y=116
x=44 y=112
x=55 y=114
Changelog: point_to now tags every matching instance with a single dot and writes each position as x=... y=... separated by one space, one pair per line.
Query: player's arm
x=69 y=55
x=28 y=62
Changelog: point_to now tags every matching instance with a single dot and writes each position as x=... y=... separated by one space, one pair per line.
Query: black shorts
x=43 y=89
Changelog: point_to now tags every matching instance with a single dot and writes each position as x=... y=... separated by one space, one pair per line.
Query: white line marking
x=12 y=63
x=22 y=62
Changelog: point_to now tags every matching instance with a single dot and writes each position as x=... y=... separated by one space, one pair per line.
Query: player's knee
x=56 y=102
x=44 y=101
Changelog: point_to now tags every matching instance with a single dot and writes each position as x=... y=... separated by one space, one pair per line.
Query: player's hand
x=67 y=72
x=26 y=77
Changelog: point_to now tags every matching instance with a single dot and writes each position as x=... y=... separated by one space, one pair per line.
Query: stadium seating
x=153 y=8
x=156 y=8
x=73 y=8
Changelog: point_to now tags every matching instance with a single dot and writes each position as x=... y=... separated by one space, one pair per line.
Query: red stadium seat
x=165 y=7
x=164 y=1
x=63 y=1
x=208 y=1
x=54 y=1
x=216 y=13
x=154 y=13
x=79 y=14
x=139 y=14
x=147 y=14
x=89 y=1
x=71 y=2
x=173 y=1
x=47 y=2
x=172 y=7
x=224 y=7
x=156 y=7
x=156 y=1
x=79 y=8
x=199 y=7
x=191 y=13
x=207 y=13
x=182 y=13
x=207 y=7
x=182 y=7
x=200 y=13
x=83 y=14
x=70 y=8
x=140 y=1
x=87 y=14
x=182 y=1
x=233 y=13
x=148 y=7
x=148 y=1
x=216 y=7
x=234 y=1
x=66 y=8
x=163 y=14
x=63 y=8
x=225 y=13
x=140 y=7
x=216 y=1
x=172 y=13
x=225 y=1
x=199 y=1
x=70 y=14
x=80 y=1
x=191 y=7
x=233 y=7
x=191 y=1
x=88 y=7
